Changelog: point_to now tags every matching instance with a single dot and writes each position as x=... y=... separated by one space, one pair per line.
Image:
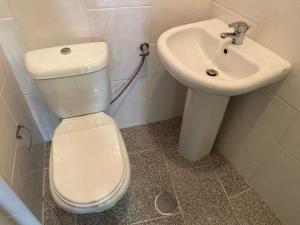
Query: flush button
x=65 y=51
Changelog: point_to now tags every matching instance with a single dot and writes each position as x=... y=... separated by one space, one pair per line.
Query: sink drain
x=165 y=203
x=212 y=72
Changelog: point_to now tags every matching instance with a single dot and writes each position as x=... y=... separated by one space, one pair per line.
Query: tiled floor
x=209 y=192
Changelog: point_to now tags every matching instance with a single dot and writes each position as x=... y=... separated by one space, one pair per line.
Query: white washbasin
x=188 y=51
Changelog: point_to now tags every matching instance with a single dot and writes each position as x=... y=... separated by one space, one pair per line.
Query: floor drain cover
x=212 y=72
x=165 y=203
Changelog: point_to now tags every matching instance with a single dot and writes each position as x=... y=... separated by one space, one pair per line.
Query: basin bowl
x=189 y=51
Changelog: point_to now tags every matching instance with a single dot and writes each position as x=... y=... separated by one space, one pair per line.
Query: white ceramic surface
x=188 y=51
x=89 y=166
x=74 y=84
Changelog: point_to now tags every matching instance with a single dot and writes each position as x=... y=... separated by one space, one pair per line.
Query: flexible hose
x=145 y=52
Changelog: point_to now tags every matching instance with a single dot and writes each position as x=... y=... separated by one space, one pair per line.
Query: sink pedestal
x=203 y=114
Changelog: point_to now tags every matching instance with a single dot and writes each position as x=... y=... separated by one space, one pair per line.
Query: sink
x=188 y=51
x=213 y=69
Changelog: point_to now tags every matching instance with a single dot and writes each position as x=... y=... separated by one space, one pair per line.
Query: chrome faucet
x=240 y=29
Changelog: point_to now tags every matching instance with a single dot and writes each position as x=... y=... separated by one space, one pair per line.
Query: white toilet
x=89 y=168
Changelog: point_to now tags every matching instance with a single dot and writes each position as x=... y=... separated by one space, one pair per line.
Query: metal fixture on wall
x=144 y=53
x=20 y=128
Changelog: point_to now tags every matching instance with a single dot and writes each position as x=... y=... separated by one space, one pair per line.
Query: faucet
x=240 y=29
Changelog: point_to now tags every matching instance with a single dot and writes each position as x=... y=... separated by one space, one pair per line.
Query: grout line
x=234 y=196
x=229 y=201
x=143 y=151
x=14 y=161
x=156 y=218
x=118 y=8
x=170 y=176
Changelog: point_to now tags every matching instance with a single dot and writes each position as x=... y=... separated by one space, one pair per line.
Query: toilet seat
x=89 y=167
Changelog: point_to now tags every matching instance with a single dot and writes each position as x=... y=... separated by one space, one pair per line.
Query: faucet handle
x=240 y=26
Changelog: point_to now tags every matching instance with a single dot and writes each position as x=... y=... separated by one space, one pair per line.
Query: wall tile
x=12 y=47
x=131 y=108
x=171 y=13
x=42 y=116
x=9 y=201
x=4 y=219
x=228 y=16
x=3 y=68
x=278 y=182
x=257 y=121
x=50 y=23
x=17 y=105
x=229 y=146
x=290 y=140
x=165 y=109
x=8 y=140
x=92 y=4
x=124 y=29
x=253 y=10
x=28 y=186
x=4 y=11
x=162 y=84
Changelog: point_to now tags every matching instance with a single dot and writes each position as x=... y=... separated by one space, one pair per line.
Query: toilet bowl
x=89 y=169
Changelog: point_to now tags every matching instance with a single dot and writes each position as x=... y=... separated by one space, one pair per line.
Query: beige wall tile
x=278 y=182
x=219 y=11
x=50 y=23
x=291 y=138
x=28 y=187
x=92 y=4
x=4 y=11
x=17 y=106
x=256 y=121
x=8 y=141
x=124 y=29
x=164 y=109
x=253 y=10
x=171 y=13
x=162 y=84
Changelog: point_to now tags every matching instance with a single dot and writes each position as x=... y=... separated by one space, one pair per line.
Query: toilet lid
x=87 y=159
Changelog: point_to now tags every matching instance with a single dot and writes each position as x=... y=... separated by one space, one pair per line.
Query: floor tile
x=231 y=180
x=168 y=131
x=140 y=138
x=149 y=178
x=47 y=197
x=177 y=162
x=147 y=165
x=142 y=197
x=170 y=220
x=47 y=155
x=211 y=209
x=118 y=215
x=53 y=215
x=194 y=184
x=251 y=210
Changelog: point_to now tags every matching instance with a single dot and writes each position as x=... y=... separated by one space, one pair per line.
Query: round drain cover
x=212 y=72
x=165 y=203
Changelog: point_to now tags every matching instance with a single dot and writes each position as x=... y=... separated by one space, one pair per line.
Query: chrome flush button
x=65 y=51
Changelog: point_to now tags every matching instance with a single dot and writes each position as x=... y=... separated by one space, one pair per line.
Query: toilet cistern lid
x=67 y=60
x=88 y=163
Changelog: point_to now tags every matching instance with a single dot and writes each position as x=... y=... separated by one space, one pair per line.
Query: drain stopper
x=212 y=72
x=165 y=203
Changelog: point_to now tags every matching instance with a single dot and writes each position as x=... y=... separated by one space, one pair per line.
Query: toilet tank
x=72 y=79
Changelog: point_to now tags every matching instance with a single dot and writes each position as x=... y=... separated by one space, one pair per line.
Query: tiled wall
x=20 y=168
x=261 y=132
x=124 y=24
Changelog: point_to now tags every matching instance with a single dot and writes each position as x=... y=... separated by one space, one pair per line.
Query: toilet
x=89 y=169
